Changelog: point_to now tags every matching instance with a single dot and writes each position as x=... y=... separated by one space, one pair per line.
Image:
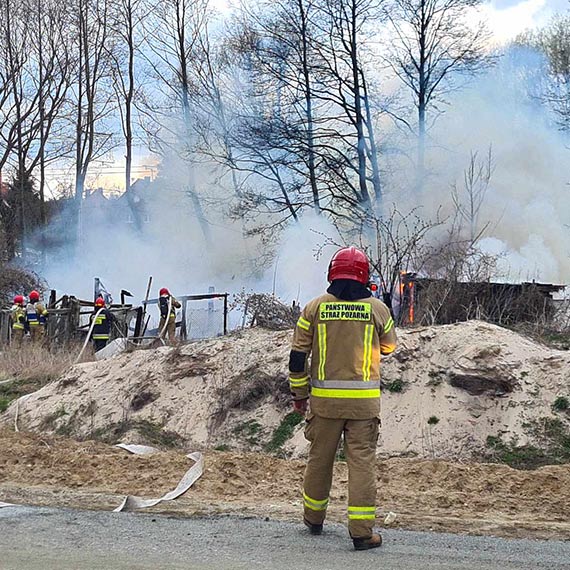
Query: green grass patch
x=249 y=430
x=152 y=433
x=284 y=431
x=4 y=403
x=553 y=446
x=559 y=340
x=395 y=386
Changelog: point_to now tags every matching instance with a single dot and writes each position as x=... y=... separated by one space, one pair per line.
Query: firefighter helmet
x=164 y=291
x=349 y=263
x=19 y=300
x=34 y=296
x=100 y=302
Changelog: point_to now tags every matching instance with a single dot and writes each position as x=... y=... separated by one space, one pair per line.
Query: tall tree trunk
x=129 y=100
x=43 y=216
x=422 y=102
x=309 y=108
x=373 y=155
x=361 y=143
x=184 y=80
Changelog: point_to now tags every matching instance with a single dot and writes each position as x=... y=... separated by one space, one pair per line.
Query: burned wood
x=435 y=301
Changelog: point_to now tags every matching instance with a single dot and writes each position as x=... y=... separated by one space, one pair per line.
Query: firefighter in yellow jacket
x=345 y=331
x=36 y=314
x=167 y=305
x=18 y=315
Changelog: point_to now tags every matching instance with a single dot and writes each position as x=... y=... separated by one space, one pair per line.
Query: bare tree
x=553 y=41
x=346 y=22
x=93 y=99
x=435 y=50
x=469 y=198
x=53 y=66
x=126 y=21
x=311 y=112
x=172 y=35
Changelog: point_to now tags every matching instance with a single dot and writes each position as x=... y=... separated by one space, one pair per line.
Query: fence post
x=225 y=314
x=183 y=326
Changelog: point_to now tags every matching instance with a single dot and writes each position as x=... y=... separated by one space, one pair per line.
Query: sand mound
x=447 y=390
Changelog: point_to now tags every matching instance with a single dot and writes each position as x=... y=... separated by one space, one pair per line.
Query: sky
x=508 y=18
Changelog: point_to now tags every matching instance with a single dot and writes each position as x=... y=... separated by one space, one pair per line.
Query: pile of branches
x=264 y=310
x=16 y=281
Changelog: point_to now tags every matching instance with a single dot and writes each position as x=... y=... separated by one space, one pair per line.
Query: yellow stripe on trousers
x=361 y=513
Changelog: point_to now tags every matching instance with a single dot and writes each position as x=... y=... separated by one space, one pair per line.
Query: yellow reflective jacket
x=18 y=314
x=345 y=340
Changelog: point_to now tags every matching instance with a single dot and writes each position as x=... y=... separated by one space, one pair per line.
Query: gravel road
x=56 y=539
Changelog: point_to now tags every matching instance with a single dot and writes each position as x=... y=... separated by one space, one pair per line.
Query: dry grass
x=29 y=368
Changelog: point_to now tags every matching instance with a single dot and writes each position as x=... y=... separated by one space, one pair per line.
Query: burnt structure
x=201 y=316
x=434 y=301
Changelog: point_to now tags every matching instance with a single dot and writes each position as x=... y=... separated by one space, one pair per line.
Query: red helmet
x=164 y=291
x=34 y=296
x=349 y=263
x=19 y=300
x=100 y=302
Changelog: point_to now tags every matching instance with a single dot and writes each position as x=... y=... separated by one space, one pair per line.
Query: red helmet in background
x=34 y=296
x=19 y=300
x=164 y=291
x=100 y=302
x=349 y=263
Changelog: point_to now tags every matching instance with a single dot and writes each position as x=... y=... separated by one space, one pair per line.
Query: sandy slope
x=473 y=380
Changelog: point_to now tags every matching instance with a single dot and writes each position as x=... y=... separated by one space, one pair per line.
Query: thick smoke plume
x=526 y=207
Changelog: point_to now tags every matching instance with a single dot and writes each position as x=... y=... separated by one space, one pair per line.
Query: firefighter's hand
x=300 y=406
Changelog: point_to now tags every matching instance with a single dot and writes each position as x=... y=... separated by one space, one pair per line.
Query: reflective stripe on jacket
x=345 y=340
x=18 y=314
x=102 y=326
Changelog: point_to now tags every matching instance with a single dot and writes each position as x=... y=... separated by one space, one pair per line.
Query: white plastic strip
x=88 y=337
x=131 y=503
x=138 y=449
x=17 y=410
x=6 y=505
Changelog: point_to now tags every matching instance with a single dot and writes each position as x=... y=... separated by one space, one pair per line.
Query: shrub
x=433 y=420
x=561 y=404
x=395 y=386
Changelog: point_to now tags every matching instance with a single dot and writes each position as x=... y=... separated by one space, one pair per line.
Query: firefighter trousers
x=17 y=337
x=170 y=329
x=37 y=334
x=360 y=437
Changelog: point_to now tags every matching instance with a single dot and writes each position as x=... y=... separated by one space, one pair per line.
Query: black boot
x=315 y=529
x=367 y=543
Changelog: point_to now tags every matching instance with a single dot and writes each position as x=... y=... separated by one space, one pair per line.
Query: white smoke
x=527 y=205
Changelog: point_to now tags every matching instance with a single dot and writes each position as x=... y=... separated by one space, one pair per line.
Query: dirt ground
x=425 y=494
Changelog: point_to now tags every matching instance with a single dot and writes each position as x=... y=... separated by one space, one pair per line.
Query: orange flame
x=412 y=303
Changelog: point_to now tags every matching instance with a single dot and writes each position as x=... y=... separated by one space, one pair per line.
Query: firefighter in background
x=18 y=316
x=36 y=314
x=168 y=305
x=102 y=327
x=345 y=331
